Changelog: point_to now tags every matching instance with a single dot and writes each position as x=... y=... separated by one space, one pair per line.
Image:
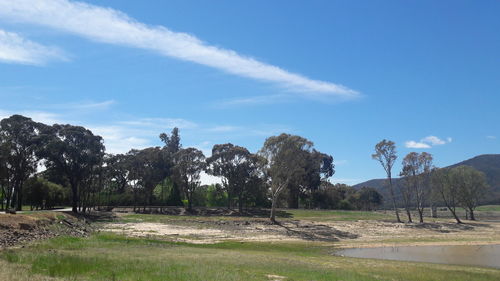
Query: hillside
x=489 y=164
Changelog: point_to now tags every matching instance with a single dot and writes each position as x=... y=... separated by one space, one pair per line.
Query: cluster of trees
x=44 y=165
x=427 y=186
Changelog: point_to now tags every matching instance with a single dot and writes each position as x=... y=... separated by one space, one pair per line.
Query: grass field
x=114 y=257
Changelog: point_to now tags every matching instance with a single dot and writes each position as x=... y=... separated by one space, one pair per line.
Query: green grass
x=114 y=257
x=336 y=215
x=489 y=208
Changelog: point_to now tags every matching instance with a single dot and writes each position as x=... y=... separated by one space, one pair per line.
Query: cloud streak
x=16 y=49
x=427 y=142
x=111 y=26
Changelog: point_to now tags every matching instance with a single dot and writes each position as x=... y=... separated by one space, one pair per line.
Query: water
x=477 y=255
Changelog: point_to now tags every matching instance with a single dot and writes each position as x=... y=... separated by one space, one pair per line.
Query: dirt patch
x=372 y=233
x=247 y=230
x=21 y=228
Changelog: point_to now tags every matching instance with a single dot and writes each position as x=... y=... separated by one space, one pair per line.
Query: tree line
x=426 y=186
x=47 y=165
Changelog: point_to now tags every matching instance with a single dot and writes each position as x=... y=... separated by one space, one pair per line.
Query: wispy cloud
x=255 y=100
x=427 y=142
x=491 y=137
x=161 y=123
x=16 y=49
x=111 y=26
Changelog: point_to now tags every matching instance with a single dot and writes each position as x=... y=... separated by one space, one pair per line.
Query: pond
x=477 y=255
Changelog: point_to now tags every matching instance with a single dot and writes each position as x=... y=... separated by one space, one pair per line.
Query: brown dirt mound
x=21 y=228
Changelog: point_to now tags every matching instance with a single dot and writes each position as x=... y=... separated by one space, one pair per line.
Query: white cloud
x=433 y=140
x=16 y=49
x=111 y=26
x=255 y=100
x=491 y=137
x=427 y=142
x=414 y=144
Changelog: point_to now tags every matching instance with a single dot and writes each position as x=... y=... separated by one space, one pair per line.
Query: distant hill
x=489 y=164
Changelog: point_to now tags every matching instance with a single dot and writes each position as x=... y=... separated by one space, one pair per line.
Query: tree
x=317 y=166
x=153 y=168
x=369 y=198
x=445 y=186
x=472 y=187
x=286 y=157
x=172 y=146
x=19 y=138
x=422 y=189
x=172 y=142
x=189 y=163
x=385 y=153
x=74 y=151
x=237 y=167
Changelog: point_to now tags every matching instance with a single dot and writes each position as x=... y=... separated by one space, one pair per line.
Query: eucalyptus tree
x=236 y=166
x=385 y=154
x=423 y=187
x=410 y=172
x=189 y=163
x=74 y=151
x=416 y=174
x=19 y=138
x=472 y=187
x=172 y=146
x=318 y=167
x=286 y=157
x=444 y=185
x=152 y=169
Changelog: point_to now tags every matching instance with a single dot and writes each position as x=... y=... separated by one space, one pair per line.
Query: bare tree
x=385 y=153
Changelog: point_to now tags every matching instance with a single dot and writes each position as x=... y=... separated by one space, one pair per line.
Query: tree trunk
x=240 y=203
x=421 y=215
x=471 y=212
x=74 y=190
x=408 y=213
x=393 y=200
x=273 y=210
x=433 y=211
x=20 y=197
x=454 y=215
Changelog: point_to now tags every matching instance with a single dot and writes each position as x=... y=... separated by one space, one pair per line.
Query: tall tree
x=74 y=151
x=189 y=163
x=153 y=169
x=20 y=137
x=423 y=187
x=286 y=157
x=385 y=153
x=444 y=185
x=172 y=146
x=472 y=187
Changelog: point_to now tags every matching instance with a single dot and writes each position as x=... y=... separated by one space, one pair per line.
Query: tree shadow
x=315 y=232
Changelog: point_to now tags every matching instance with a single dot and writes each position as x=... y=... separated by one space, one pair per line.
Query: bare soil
x=18 y=229
x=366 y=233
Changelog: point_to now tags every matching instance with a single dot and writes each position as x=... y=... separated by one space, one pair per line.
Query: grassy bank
x=114 y=257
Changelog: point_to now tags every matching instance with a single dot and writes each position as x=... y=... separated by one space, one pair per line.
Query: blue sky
x=344 y=74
